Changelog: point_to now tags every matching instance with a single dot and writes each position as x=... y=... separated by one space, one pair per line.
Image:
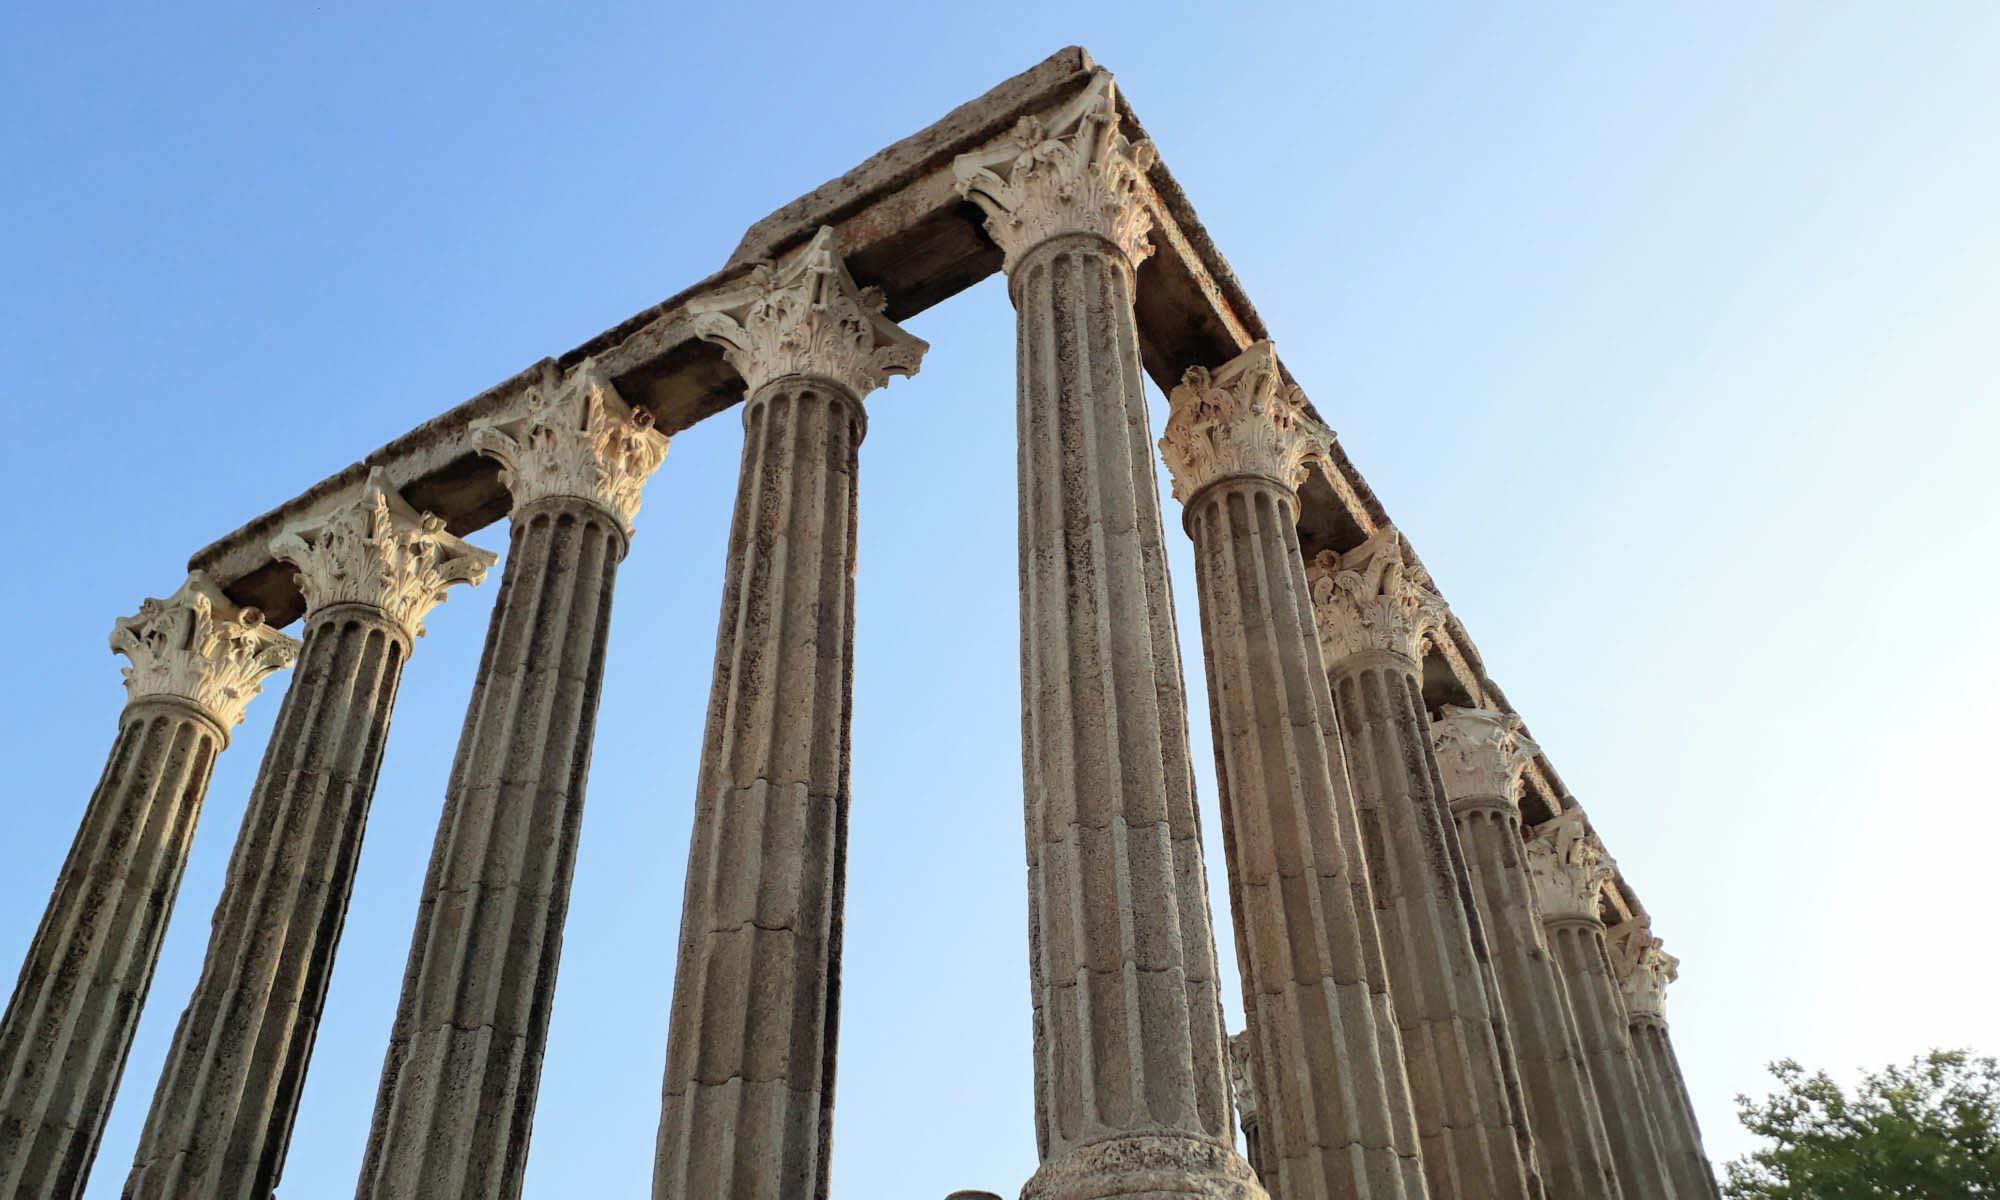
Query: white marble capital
x=1370 y=599
x=576 y=438
x=807 y=317
x=1240 y=419
x=1569 y=868
x=200 y=646
x=1073 y=173
x=1481 y=752
x=1643 y=967
x=377 y=551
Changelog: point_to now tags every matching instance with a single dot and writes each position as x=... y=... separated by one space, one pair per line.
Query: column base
x=1146 y=1167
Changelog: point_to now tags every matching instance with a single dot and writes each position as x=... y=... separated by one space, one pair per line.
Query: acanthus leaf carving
x=808 y=317
x=1643 y=967
x=577 y=438
x=1075 y=173
x=1240 y=419
x=376 y=550
x=1370 y=598
x=1481 y=752
x=200 y=646
x=1569 y=867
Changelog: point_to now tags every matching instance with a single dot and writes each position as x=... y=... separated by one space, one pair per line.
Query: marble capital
x=1074 y=172
x=1481 y=752
x=1569 y=868
x=377 y=551
x=577 y=438
x=807 y=317
x=199 y=646
x=1643 y=967
x=1369 y=598
x=1242 y=418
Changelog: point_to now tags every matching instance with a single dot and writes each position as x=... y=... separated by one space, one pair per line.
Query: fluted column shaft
x=70 y=1023
x=1572 y=1146
x=1672 y=1110
x=457 y=1099
x=1335 y=1118
x=1578 y=946
x=748 y=1097
x=459 y=1083
x=197 y=660
x=222 y=1113
x=1130 y=1077
x=1468 y=1115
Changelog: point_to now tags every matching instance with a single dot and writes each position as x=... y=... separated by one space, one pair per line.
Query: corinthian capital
x=1074 y=173
x=1569 y=867
x=807 y=317
x=578 y=438
x=376 y=550
x=1240 y=419
x=1644 y=969
x=201 y=647
x=1369 y=599
x=1481 y=753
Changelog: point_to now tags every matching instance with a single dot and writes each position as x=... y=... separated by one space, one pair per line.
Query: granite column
x=1335 y=1116
x=1481 y=754
x=1130 y=1078
x=1643 y=970
x=747 y=1104
x=222 y=1113
x=457 y=1100
x=1570 y=872
x=197 y=660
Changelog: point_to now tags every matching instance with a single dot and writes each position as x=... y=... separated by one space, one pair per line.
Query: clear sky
x=1668 y=336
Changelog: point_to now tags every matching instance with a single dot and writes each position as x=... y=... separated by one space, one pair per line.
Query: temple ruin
x=1451 y=991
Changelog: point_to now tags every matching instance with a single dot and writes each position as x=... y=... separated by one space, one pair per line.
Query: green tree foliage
x=1926 y=1131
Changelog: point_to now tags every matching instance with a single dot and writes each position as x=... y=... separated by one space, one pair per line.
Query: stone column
x=457 y=1099
x=1570 y=872
x=1335 y=1115
x=1481 y=754
x=1373 y=614
x=1131 y=1084
x=197 y=660
x=747 y=1103
x=222 y=1113
x=1644 y=970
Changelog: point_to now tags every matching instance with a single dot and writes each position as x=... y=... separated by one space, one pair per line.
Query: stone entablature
x=199 y=646
x=1240 y=419
x=1482 y=754
x=378 y=552
x=1370 y=599
x=577 y=438
x=1569 y=867
x=808 y=318
x=1644 y=969
x=1075 y=173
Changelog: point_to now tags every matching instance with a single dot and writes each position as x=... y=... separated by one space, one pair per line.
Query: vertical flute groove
x=69 y=1024
x=1673 y=1111
x=1574 y=1148
x=223 y=1111
x=455 y=1108
x=1128 y=1039
x=1328 y=1093
x=1578 y=946
x=748 y=1095
x=1468 y=1118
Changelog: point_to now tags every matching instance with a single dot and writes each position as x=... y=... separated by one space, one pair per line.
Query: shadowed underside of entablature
x=902 y=227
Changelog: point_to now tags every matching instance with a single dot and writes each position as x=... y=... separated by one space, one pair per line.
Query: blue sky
x=1667 y=336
